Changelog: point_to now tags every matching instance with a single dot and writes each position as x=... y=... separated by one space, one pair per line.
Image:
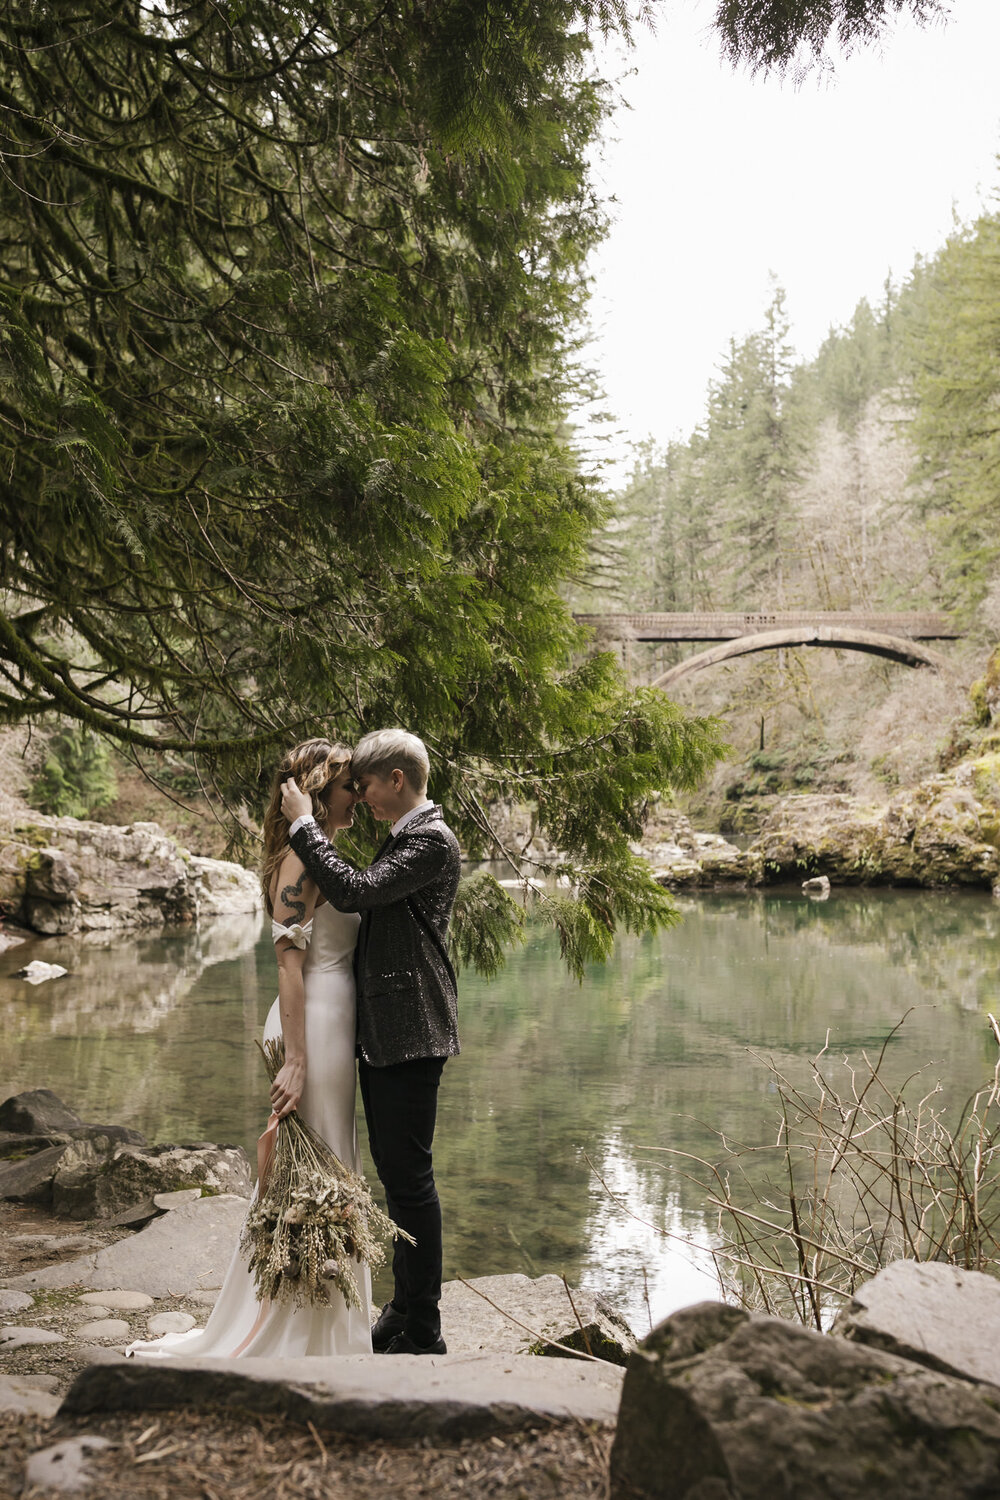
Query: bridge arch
x=895 y=648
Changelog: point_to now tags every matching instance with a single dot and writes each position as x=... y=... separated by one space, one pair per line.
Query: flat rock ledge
x=183 y=1251
x=450 y=1396
x=168 y=1273
x=935 y=1314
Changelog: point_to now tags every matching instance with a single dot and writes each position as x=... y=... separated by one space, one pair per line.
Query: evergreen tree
x=289 y=308
x=289 y=304
x=778 y=33
x=857 y=362
x=952 y=338
x=753 y=451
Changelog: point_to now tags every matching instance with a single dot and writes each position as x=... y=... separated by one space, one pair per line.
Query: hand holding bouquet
x=313 y=1220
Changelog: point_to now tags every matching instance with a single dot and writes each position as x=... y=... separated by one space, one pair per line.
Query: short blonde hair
x=388 y=750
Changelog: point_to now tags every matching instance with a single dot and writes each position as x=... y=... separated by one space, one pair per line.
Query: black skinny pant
x=400 y=1110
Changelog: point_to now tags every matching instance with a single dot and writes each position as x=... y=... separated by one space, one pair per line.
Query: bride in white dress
x=314 y=1012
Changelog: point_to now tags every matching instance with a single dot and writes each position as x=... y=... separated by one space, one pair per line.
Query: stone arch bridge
x=894 y=636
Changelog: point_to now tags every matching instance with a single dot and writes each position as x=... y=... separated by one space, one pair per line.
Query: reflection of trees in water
x=945 y=941
x=122 y=982
x=650 y=1052
x=654 y=1051
x=152 y=1031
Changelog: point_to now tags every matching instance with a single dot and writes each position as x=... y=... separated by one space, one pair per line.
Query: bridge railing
x=725 y=625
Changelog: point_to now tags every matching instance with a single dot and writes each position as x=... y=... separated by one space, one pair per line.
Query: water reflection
x=147 y=1029
x=655 y=1050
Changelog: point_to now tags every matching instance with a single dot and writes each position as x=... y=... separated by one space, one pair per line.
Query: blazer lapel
x=385 y=844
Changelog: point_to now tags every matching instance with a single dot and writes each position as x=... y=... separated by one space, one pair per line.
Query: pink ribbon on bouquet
x=265 y=1154
x=265 y=1150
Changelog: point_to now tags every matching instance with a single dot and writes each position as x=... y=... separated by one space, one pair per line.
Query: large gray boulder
x=37 y=1112
x=104 y=1172
x=63 y=875
x=943 y=831
x=721 y=1406
x=39 y=1118
x=39 y=1134
x=938 y=1315
x=520 y=1314
x=90 y=1184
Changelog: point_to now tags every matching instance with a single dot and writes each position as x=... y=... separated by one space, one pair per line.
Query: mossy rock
x=30 y=833
x=986 y=778
x=984 y=694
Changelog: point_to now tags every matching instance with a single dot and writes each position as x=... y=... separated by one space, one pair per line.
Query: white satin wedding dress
x=239 y=1324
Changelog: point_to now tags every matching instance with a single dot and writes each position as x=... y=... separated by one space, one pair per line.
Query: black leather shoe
x=388 y=1324
x=403 y=1344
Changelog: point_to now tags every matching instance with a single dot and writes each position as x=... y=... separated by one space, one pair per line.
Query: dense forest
x=863 y=479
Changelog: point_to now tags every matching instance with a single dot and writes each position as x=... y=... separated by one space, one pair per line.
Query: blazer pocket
x=388 y=984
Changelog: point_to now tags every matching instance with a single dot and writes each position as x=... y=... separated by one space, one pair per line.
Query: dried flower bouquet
x=313 y=1219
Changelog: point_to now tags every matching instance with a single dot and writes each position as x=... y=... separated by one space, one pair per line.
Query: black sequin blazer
x=407 y=998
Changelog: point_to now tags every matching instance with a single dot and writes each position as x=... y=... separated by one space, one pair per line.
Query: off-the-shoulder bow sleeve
x=298 y=933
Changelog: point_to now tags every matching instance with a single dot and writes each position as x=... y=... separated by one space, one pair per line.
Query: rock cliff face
x=943 y=832
x=62 y=875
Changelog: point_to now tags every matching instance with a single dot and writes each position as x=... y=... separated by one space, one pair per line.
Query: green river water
x=652 y=1051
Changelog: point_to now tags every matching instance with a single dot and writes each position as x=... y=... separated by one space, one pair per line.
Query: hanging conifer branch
x=281 y=378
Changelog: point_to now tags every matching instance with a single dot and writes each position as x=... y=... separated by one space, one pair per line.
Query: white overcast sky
x=721 y=178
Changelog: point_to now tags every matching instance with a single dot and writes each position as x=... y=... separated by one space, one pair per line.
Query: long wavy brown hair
x=314 y=764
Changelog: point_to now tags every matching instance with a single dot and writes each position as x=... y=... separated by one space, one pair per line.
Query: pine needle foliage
x=289 y=326
x=486 y=922
x=952 y=338
x=775 y=35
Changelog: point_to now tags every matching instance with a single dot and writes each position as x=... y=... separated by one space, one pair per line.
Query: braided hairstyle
x=314 y=764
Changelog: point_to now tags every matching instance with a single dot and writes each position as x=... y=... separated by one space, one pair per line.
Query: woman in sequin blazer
x=407 y=1004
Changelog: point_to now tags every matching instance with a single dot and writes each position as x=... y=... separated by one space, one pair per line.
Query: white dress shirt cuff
x=301 y=822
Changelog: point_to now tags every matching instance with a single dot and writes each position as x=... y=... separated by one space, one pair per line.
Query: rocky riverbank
x=105 y=1238
x=64 y=875
x=943 y=832
x=899 y=1401
x=148 y=1258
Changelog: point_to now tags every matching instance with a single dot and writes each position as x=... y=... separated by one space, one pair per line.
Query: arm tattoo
x=287 y=898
